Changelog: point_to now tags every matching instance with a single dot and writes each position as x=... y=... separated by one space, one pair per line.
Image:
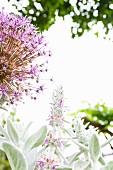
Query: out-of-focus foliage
x=4 y=164
x=99 y=115
x=84 y=13
x=43 y=12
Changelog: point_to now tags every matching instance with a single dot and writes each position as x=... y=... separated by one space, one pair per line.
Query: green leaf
x=31 y=158
x=94 y=147
x=80 y=165
x=25 y=131
x=2 y=140
x=1 y=107
x=101 y=160
x=97 y=34
x=104 y=168
x=74 y=157
x=16 y=158
x=35 y=140
x=13 y=134
x=3 y=132
x=110 y=165
x=63 y=168
x=108 y=141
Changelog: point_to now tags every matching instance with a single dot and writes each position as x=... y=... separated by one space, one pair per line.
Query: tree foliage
x=99 y=115
x=84 y=13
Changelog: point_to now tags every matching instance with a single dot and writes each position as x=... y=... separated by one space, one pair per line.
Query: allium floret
x=23 y=58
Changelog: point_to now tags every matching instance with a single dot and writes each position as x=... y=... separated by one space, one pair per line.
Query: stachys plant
x=19 y=146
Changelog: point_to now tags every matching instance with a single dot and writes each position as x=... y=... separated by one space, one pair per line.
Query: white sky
x=83 y=66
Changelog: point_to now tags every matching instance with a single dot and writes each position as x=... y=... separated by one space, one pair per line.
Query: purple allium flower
x=23 y=55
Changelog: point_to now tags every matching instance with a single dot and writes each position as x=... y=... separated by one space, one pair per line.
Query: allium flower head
x=23 y=55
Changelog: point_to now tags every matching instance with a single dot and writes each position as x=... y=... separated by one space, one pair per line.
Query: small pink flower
x=61 y=103
x=50 y=135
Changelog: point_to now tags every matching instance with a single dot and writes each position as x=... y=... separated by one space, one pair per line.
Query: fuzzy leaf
x=104 y=168
x=80 y=165
x=13 y=134
x=3 y=132
x=31 y=158
x=1 y=107
x=108 y=141
x=74 y=157
x=110 y=165
x=36 y=139
x=63 y=168
x=94 y=147
x=25 y=131
x=101 y=160
x=16 y=158
x=2 y=140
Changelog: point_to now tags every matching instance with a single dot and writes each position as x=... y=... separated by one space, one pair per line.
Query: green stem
x=42 y=150
x=60 y=153
x=80 y=145
x=107 y=142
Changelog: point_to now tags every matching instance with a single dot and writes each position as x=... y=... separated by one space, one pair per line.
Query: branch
x=102 y=128
x=109 y=154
